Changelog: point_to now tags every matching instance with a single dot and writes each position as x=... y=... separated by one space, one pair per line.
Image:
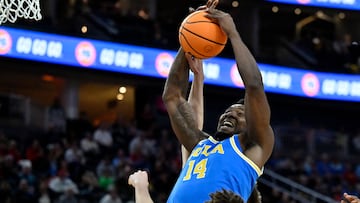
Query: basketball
x=200 y=36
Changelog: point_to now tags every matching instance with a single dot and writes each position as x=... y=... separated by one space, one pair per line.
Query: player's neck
x=219 y=136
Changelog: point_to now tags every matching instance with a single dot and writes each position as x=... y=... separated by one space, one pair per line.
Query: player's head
x=232 y=121
x=224 y=196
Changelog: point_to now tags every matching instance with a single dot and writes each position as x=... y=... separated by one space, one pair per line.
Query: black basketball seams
x=202 y=36
x=187 y=42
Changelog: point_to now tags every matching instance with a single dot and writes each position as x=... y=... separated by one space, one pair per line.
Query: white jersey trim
x=249 y=161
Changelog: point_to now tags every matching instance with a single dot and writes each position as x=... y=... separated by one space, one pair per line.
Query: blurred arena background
x=93 y=126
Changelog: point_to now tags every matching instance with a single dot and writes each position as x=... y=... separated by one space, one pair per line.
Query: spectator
x=9 y=171
x=322 y=165
x=106 y=178
x=141 y=149
x=25 y=193
x=106 y=172
x=44 y=195
x=5 y=191
x=68 y=196
x=56 y=117
x=14 y=151
x=120 y=159
x=27 y=174
x=103 y=137
x=105 y=164
x=89 y=146
x=61 y=183
x=89 y=187
x=74 y=155
x=147 y=117
x=35 y=153
x=120 y=133
x=75 y=160
x=112 y=196
x=55 y=153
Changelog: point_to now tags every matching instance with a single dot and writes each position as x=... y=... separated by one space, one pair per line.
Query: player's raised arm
x=257 y=110
x=196 y=97
x=182 y=117
x=140 y=181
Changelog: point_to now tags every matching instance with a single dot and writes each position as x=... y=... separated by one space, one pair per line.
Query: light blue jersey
x=213 y=166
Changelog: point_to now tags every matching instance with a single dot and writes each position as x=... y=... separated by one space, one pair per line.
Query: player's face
x=232 y=121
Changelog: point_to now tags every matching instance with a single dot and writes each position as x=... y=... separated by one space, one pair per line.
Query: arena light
x=275 y=9
x=120 y=97
x=122 y=90
x=297 y=11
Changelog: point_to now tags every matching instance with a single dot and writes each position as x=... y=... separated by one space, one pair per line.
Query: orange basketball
x=200 y=36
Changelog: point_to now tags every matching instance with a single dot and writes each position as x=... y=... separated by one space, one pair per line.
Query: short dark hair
x=225 y=196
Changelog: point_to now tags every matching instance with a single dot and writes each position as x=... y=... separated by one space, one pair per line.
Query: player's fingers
x=208 y=3
x=130 y=180
x=212 y=14
x=203 y=7
x=190 y=58
x=212 y=4
x=215 y=3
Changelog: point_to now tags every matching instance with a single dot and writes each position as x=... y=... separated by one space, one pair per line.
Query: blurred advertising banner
x=144 y=61
x=336 y=4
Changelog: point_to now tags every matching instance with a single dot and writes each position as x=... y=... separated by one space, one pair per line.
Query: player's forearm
x=178 y=79
x=196 y=99
x=246 y=63
x=142 y=195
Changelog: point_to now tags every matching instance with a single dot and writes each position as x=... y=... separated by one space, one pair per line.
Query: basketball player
x=224 y=160
x=139 y=179
x=196 y=99
x=196 y=102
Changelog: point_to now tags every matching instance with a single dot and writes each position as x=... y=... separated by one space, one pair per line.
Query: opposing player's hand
x=350 y=199
x=196 y=65
x=139 y=179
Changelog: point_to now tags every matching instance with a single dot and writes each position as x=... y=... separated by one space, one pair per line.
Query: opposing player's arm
x=181 y=114
x=257 y=110
x=196 y=97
